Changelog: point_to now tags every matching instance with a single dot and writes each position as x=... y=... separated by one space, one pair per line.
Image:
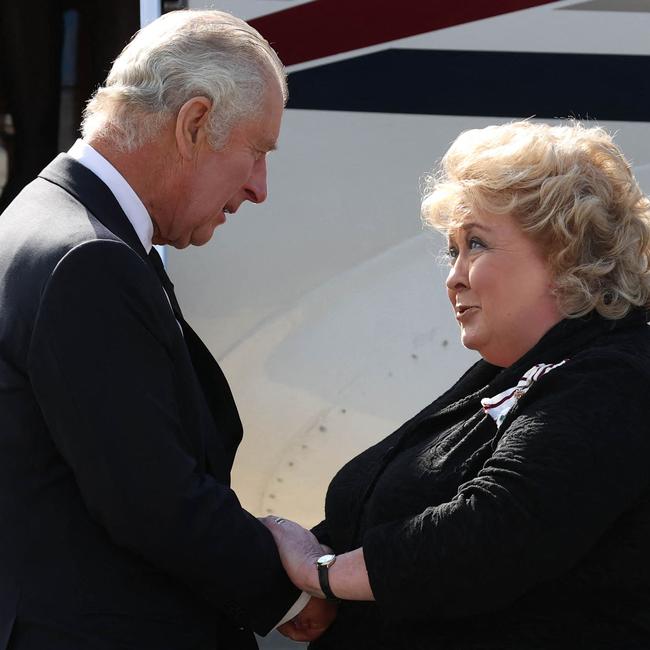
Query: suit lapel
x=98 y=199
x=219 y=400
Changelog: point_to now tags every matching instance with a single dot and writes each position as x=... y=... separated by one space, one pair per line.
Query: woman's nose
x=457 y=277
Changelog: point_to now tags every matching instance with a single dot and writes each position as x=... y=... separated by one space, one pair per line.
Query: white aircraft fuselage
x=326 y=305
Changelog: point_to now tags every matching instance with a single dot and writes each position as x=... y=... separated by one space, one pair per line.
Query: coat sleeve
x=322 y=533
x=569 y=463
x=102 y=373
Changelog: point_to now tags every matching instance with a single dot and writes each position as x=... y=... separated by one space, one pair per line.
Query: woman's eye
x=475 y=243
x=452 y=254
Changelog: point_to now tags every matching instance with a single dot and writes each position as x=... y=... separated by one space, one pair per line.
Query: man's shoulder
x=46 y=216
x=44 y=229
x=46 y=221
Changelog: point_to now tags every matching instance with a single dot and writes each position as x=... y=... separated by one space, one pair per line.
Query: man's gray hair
x=181 y=55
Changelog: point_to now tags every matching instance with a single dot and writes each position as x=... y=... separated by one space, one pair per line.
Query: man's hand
x=299 y=550
x=312 y=621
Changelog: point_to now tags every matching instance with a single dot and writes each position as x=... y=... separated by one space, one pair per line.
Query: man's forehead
x=266 y=134
x=272 y=117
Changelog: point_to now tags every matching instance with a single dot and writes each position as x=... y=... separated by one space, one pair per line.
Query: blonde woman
x=514 y=511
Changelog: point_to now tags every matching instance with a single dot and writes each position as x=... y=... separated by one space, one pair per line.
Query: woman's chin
x=468 y=341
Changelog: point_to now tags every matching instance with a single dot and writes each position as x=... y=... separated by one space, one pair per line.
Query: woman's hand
x=299 y=550
x=312 y=621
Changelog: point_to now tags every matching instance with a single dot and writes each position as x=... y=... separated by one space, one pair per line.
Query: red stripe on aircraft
x=325 y=27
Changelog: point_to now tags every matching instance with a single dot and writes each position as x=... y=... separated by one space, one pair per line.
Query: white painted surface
x=338 y=371
x=149 y=11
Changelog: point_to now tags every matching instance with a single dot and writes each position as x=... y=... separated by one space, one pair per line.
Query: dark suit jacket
x=118 y=528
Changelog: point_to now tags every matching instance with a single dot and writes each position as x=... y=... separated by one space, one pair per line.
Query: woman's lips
x=465 y=311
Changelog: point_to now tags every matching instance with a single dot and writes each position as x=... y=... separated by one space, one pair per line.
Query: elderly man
x=118 y=528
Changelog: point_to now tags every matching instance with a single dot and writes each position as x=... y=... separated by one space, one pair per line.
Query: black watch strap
x=323 y=565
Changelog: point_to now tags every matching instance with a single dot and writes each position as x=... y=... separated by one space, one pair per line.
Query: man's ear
x=190 y=125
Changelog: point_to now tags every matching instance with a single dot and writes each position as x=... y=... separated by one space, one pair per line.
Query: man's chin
x=200 y=238
x=196 y=238
x=181 y=242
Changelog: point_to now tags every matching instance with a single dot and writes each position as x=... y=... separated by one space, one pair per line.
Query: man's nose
x=256 y=188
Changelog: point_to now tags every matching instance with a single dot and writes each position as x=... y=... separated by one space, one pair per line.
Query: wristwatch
x=323 y=563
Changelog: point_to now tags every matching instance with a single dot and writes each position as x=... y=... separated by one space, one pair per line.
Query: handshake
x=299 y=550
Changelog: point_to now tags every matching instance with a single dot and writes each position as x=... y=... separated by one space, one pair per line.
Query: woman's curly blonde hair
x=572 y=191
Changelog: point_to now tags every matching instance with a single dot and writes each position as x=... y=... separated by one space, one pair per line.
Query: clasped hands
x=299 y=550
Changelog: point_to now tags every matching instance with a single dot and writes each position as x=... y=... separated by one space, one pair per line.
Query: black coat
x=535 y=535
x=118 y=528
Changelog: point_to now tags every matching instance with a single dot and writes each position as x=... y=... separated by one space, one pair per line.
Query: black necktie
x=157 y=264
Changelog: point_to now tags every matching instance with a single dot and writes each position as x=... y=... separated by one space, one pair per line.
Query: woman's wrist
x=310 y=581
x=348 y=577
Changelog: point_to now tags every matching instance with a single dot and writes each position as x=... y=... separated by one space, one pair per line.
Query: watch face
x=326 y=560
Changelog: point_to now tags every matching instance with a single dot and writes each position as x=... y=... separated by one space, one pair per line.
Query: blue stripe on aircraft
x=498 y=84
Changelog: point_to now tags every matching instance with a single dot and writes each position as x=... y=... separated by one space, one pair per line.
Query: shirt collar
x=129 y=201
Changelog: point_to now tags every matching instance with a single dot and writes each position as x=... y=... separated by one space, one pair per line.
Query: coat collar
x=95 y=196
x=483 y=379
x=568 y=337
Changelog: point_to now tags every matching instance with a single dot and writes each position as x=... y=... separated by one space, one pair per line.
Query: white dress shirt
x=137 y=214
x=129 y=201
